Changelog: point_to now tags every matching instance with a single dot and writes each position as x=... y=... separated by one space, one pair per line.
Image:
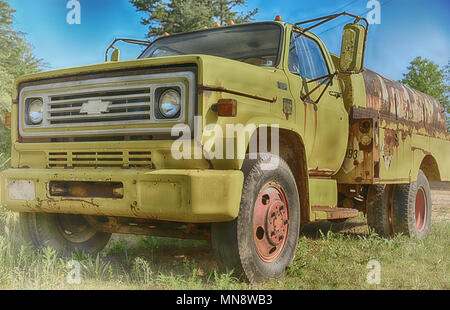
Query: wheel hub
x=75 y=228
x=277 y=223
x=270 y=222
x=420 y=210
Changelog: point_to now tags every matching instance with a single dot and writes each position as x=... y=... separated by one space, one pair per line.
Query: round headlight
x=170 y=103
x=36 y=111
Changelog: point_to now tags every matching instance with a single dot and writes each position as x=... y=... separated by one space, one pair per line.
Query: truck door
x=325 y=123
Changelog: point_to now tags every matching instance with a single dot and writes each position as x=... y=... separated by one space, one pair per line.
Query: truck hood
x=111 y=66
x=212 y=71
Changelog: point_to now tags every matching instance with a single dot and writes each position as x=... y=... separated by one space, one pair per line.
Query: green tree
x=223 y=11
x=447 y=79
x=177 y=16
x=16 y=59
x=426 y=76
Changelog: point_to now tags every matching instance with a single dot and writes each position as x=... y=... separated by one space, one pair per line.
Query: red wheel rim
x=270 y=222
x=420 y=210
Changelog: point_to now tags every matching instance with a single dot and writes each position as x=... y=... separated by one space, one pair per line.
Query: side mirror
x=115 y=56
x=353 y=48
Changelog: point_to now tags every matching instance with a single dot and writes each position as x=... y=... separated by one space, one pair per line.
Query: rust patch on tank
x=390 y=144
x=395 y=101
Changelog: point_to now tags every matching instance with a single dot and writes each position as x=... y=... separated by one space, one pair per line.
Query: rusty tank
x=392 y=133
x=399 y=102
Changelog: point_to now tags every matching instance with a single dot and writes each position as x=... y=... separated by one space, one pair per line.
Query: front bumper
x=187 y=196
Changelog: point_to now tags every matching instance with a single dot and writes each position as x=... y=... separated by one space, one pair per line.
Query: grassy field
x=329 y=256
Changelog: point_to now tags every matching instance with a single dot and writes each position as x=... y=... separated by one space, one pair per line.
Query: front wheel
x=260 y=244
x=64 y=233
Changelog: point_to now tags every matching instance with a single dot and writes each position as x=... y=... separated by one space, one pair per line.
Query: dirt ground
x=441 y=201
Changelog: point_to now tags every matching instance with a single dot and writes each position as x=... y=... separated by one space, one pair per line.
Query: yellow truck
x=236 y=134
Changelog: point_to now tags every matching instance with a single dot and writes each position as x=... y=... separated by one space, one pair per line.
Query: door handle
x=335 y=94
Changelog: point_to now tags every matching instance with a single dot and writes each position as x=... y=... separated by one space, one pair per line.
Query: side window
x=310 y=61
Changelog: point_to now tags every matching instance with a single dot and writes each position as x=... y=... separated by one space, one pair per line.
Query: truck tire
x=379 y=209
x=64 y=233
x=260 y=244
x=412 y=208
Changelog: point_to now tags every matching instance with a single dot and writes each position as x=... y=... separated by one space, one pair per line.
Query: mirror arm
x=324 y=20
x=130 y=41
x=111 y=46
x=329 y=79
x=326 y=87
x=321 y=78
x=327 y=19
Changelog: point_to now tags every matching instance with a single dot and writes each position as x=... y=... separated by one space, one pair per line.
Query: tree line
x=16 y=59
x=177 y=16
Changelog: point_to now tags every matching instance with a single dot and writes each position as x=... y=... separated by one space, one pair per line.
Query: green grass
x=328 y=257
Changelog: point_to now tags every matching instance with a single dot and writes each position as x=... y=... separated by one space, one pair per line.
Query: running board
x=327 y=213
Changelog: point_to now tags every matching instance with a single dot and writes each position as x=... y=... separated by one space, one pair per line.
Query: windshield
x=256 y=44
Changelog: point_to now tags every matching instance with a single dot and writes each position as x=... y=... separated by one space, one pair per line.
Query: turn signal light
x=7 y=119
x=227 y=108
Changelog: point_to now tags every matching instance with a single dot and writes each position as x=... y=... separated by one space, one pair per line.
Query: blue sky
x=408 y=28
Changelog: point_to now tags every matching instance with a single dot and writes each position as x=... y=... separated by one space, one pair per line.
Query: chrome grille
x=105 y=107
x=118 y=106
x=91 y=159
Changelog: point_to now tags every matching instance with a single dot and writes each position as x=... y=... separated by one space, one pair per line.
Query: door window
x=306 y=58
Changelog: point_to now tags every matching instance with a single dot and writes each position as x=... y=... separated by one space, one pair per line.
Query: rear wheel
x=64 y=233
x=413 y=206
x=260 y=244
x=401 y=208
x=380 y=200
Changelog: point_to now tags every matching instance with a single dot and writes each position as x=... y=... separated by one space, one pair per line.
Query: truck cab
x=237 y=134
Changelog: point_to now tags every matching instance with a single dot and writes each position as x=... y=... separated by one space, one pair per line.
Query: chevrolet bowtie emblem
x=95 y=107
